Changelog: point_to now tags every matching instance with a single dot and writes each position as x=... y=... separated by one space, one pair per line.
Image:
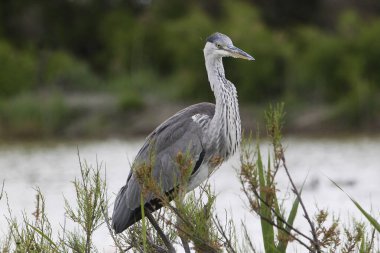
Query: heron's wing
x=180 y=134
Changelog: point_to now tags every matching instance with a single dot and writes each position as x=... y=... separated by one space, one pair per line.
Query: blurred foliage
x=17 y=71
x=68 y=73
x=129 y=89
x=29 y=115
x=306 y=54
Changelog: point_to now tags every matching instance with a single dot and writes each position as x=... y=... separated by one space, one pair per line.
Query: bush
x=368 y=49
x=130 y=89
x=18 y=70
x=180 y=50
x=29 y=115
x=130 y=101
x=119 y=32
x=358 y=108
x=315 y=72
x=69 y=73
x=263 y=79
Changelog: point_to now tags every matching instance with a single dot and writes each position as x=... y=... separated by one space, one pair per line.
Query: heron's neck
x=225 y=125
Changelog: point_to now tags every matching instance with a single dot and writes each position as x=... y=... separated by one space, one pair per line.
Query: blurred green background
x=99 y=68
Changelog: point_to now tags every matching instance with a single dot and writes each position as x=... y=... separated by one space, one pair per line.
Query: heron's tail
x=122 y=216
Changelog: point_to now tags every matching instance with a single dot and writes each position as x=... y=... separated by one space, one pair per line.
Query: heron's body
x=208 y=133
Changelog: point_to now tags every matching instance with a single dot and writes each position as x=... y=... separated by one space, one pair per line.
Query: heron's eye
x=219 y=46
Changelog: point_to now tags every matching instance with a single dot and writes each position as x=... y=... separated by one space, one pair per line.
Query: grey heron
x=209 y=133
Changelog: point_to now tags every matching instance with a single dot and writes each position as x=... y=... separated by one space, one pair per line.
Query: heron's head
x=220 y=45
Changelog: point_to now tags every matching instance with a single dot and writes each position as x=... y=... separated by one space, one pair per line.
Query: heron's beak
x=238 y=53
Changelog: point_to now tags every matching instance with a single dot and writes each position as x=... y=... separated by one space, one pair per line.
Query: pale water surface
x=352 y=162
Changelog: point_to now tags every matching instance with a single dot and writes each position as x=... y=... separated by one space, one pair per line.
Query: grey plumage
x=208 y=133
x=216 y=37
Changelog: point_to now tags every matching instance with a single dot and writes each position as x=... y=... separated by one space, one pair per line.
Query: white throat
x=225 y=126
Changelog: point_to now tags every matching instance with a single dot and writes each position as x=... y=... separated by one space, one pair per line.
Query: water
x=352 y=162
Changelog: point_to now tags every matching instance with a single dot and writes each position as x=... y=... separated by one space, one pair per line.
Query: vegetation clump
x=189 y=221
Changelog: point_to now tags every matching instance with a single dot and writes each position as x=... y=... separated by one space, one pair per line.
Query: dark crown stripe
x=212 y=38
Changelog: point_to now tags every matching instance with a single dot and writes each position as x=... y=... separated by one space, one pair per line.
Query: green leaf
x=269 y=178
x=363 y=247
x=371 y=220
x=52 y=244
x=280 y=224
x=275 y=201
x=282 y=245
x=266 y=227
